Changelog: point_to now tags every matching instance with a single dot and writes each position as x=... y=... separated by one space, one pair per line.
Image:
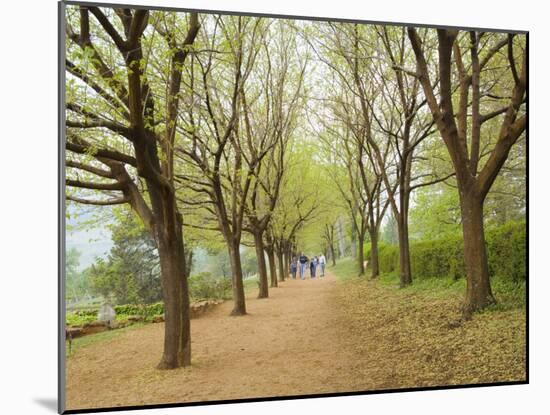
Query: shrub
x=444 y=257
x=507 y=248
x=74 y=319
x=201 y=286
x=204 y=285
x=147 y=311
x=388 y=256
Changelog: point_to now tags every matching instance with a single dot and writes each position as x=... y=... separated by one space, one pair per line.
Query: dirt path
x=312 y=336
x=287 y=345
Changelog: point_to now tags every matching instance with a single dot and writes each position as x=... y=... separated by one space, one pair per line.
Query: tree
x=76 y=285
x=343 y=50
x=298 y=205
x=463 y=131
x=131 y=271
x=222 y=162
x=118 y=134
x=399 y=113
x=270 y=113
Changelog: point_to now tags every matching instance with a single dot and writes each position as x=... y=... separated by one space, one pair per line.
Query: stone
x=106 y=314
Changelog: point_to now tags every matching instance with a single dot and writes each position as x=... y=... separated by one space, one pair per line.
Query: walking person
x=322 y=263
x=293 y=267
x=313 y=266
x=303 y=262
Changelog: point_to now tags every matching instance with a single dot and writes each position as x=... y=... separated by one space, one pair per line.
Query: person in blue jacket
x=313 y=266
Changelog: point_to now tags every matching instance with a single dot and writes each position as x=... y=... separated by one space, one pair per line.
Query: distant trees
x=270 y=121
x=344 y=49
x=131 y=272
x=238 y=135
x=76 y=283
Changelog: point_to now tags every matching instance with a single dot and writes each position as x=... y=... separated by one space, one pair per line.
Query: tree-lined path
x=312 y=336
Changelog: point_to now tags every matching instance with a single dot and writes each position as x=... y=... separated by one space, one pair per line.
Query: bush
x=147 y=311
x=506 y=251
x=204 y=286
x=201 y=287
x=388 y=256
x=74 y=319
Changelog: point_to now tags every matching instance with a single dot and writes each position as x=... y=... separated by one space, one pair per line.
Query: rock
x=106 y=314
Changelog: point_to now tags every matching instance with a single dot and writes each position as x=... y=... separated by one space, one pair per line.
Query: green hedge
x=506 y=250
x=201 y=286
x=147 y=310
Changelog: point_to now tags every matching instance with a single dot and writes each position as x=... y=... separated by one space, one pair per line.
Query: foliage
x=436 y=212
x=131 y=272
x=389 y=233
x=204 y=285
x=507 y=248
x=77 y=319
x=145 y=310
x=76 y=284
x=444 y=257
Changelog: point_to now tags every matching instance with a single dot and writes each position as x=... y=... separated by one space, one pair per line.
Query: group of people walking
x=302 y=263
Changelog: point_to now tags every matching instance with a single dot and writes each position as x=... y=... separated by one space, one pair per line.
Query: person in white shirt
x=322 y=263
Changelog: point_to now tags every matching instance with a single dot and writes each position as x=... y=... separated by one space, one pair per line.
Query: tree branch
x=94 y=185
x=91 y=169
x=86 y=148
x=107 y=202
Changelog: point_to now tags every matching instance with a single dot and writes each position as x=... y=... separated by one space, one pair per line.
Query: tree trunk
x=239 y=308
x=281 y=262
x=478 y=285
x=286 y=260
x=405 y=275
x=262 y=268
x=177 y=333
x=272 y=266
x=353 y=240
x=374 y=263
x=333 y=253
x=361 y=252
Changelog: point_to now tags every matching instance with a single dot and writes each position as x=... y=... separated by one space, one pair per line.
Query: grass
x=345 y=269
x=90 y=339
x=509 y=294
x=250 y=284
x=415 y=336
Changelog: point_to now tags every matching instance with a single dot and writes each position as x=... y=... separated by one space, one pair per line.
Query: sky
x=91 y=241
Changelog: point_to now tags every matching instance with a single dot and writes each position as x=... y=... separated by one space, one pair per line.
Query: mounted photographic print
x=278 y=207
